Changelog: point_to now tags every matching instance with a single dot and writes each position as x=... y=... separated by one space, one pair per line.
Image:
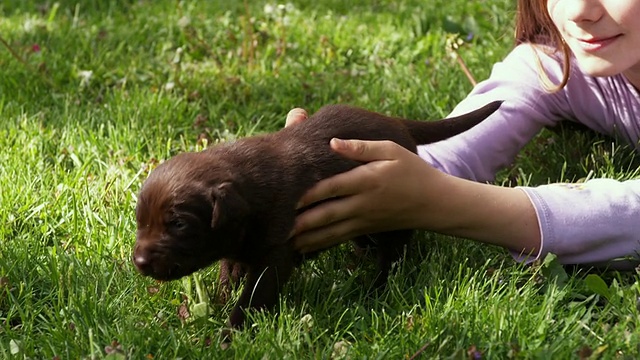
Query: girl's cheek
x=552 y=10
x=554 y=13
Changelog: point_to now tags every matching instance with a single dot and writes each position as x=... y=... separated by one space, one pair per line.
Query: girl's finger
x=325 y=237
x=344 y=184
x=367 y=151
x=327 y=213
x=295 y=116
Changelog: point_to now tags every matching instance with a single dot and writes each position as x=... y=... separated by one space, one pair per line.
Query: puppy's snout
x=142 y=260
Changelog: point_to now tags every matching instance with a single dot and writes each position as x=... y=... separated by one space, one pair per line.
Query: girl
x=574 y=59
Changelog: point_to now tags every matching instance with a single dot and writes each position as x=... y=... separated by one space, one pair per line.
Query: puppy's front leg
x=264 y=282
x=231 y=272
x=390 y=247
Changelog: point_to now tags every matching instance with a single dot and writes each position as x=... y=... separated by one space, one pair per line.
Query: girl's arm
x=396 y=189
x=590 y=223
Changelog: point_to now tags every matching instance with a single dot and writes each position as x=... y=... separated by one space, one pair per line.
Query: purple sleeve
x=598 y=223
x=479 y=153
x=589 y=223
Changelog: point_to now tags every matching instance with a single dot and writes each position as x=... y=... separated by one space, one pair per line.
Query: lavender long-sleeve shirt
x=593 y=223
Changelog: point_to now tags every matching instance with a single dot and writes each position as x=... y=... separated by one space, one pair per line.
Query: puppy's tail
x=425 y=132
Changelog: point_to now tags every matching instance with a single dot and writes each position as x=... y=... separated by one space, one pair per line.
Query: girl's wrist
x=492 y=214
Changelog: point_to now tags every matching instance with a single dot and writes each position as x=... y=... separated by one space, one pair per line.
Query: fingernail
x=338 y=143
x=297 y=111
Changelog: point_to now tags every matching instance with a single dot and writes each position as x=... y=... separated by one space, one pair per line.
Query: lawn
x=94 y=94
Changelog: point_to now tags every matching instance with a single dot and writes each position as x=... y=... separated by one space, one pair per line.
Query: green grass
x=75 y=149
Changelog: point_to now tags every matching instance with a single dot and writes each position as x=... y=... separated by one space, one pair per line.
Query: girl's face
x=604 y=35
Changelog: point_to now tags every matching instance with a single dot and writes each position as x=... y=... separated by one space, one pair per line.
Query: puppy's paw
x=225 y=343
x=231 y=273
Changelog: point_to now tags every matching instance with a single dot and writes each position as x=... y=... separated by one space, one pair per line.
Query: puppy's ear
x=229 y=206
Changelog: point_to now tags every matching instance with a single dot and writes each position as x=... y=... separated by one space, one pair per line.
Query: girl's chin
x=598 y=67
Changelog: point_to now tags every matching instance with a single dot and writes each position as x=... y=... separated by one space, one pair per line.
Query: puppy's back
x=350 y=122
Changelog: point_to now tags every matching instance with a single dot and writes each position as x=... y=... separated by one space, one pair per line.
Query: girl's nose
x=579 y=11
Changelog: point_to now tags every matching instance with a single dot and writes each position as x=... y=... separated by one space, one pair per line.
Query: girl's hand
x=382 y=195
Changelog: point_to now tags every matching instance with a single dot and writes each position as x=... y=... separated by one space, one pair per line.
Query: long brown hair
x=534 y=25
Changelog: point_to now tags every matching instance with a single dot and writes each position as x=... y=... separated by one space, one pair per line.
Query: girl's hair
x=534 y=25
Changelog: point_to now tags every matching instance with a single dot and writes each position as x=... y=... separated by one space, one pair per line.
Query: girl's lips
x=595 y=44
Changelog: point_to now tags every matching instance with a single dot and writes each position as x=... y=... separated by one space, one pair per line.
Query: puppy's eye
x=178 y=224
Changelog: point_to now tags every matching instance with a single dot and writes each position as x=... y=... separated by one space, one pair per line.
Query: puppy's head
x=188 y=216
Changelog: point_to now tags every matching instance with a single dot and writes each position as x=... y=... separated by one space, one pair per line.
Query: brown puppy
x=236 y=201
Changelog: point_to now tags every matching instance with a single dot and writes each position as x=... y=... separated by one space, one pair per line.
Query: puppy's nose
x=140 y=260
x=142 y=263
